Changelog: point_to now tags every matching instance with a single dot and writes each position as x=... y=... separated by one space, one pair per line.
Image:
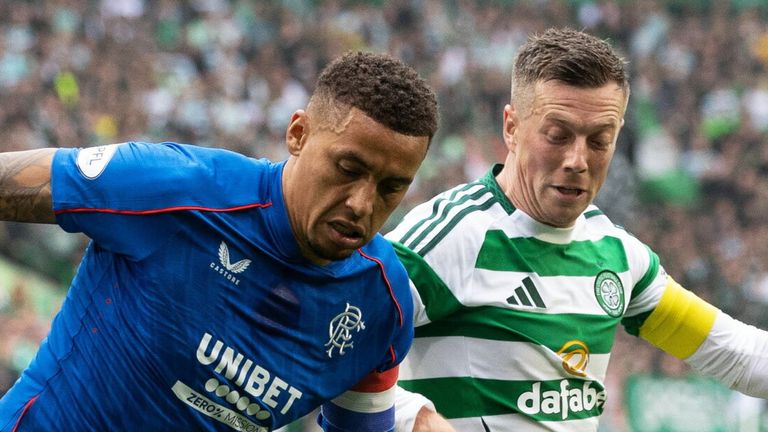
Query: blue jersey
x=193 y=308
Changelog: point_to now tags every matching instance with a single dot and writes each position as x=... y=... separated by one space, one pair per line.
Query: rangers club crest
x=340 y=330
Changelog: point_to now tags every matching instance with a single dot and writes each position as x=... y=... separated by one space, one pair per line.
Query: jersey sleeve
x=367 y=407
x=396 y=280
x=680 y=322
x=432 y=297
x=123 y=196
x=736 y=354
x=439 y=256
x=407 y=407
x=689 y=328
x=650 y=283
x=661 y=311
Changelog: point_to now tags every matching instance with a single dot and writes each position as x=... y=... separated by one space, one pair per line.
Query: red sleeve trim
x=163 y=210
x=376 y=382
x=386 y=280
x=23 y=412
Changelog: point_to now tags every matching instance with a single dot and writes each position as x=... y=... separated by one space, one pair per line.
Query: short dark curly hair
x=381 y=86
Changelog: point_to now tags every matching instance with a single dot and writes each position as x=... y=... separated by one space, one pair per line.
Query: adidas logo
x=526 y=295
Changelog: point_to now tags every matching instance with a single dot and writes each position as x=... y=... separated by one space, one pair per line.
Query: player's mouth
x=346 y=235
x=570 y=191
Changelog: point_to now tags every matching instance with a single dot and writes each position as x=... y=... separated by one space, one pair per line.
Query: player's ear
x=510 y=125
x=297 y=132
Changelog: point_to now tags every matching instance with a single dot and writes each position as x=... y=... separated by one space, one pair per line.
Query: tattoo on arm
x=25 y=186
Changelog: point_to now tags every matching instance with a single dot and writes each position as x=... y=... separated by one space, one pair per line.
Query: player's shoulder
x=597 y=220
x=599 y=225
x=381 y=252
x=184 y=173
x=452 y=216
x=175 y=158
x=229 y=171
x=220 y=159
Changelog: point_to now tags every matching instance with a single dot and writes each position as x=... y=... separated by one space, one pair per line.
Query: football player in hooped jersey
x=520 y=281
x=221 y=292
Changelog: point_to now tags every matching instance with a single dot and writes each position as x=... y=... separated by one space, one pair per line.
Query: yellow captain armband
x=680 y=322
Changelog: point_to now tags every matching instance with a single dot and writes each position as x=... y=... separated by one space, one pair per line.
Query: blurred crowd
x=690 y=177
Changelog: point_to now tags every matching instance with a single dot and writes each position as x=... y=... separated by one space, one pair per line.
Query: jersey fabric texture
x=516 y=319
x=193 y=308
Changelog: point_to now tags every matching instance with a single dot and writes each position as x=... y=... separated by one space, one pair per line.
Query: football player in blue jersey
x=221 y=292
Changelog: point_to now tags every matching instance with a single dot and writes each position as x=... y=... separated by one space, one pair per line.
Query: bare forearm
x=25 y=186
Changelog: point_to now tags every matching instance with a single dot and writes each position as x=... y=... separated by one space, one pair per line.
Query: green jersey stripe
x=489 y=180
x=453 y=222
x=437 y=297
x=653 y=270
x=578 y=258
x=593 y=213
x=550 y=330
x=632 y=324
x=466 y=200
x=555 y=400
x=436 y=210
x=520 y=422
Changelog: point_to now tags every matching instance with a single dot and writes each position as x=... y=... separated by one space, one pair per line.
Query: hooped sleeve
x=367 y=407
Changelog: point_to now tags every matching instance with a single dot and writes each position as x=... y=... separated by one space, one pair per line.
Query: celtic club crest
x=610 y=293
x=341 y=327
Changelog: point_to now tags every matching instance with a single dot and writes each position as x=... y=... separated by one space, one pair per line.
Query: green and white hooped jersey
x=515 y=319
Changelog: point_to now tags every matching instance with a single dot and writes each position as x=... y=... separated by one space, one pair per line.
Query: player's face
x=342 y=183
x=560 y=148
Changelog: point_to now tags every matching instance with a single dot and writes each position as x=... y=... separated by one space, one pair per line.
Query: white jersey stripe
x=492 y=288
x=366 y=402
x=445 y=201
x=428 y=231
x=512 y=361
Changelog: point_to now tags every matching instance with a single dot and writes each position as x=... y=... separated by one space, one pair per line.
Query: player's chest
x=256 y=333
x=232 y=301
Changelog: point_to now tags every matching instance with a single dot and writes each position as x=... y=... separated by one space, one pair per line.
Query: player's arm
x=25 y=186
x=415 y=413
x=709 y=340
x=368 y=407
x=428 y=420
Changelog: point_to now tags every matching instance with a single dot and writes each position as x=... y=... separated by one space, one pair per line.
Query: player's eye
x=393 y=188
x=600 y=142
x=347 y=170
x=557 y=135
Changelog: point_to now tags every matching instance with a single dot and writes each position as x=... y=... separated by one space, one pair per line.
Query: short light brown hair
x=573 y=57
